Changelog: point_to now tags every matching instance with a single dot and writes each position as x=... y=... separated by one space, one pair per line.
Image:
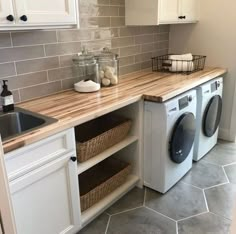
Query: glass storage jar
x=85 y=66
x=108 y=67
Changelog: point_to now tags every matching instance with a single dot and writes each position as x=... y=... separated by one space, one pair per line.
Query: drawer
x=23 y=160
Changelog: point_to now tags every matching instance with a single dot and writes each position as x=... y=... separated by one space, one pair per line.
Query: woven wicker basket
x=100 y=180
x=98 y=135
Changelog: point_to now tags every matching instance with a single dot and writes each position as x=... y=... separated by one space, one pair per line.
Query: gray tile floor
x=201 y=203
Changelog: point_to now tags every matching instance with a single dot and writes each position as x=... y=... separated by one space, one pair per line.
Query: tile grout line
x=126 y=211
x=192 y=216
x=176 y=226
x=214 y=186
x=108 y=222
x=204 y=195
x=191 y=185
x=225 y=174
x=230 y=164
x=220 y=216
x=160 y=214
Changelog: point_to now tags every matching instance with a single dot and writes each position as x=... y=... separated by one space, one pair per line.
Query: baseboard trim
x=225 y=134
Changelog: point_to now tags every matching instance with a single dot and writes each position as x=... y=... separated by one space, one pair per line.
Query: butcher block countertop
x=71 y=108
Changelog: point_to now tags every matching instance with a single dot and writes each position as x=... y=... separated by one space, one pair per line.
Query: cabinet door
x=189 y=9
x=168 y=11
x=44 y=12
x=6 y=9
x=46 y=200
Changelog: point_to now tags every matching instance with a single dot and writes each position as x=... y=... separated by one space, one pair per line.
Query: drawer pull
x=73 y=159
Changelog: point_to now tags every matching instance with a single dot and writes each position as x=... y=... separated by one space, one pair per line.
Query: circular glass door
x=212 y=115
x=182 y=138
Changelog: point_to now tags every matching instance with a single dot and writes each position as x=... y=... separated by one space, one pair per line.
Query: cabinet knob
x=73 y=159
x=10 y=18
x=24 y=18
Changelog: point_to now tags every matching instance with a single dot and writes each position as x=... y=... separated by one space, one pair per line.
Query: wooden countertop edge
x=59 y=126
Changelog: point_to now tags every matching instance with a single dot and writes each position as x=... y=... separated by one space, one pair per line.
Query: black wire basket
x=163 y=63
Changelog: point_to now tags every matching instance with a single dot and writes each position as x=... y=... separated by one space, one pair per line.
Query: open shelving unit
x=105 y=154
x=91 y=213
x=128 y=150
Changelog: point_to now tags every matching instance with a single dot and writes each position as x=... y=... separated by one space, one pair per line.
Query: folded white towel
x=181 y=66
x=186 y=57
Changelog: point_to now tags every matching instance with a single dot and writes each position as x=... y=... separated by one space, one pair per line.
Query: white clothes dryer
x=209 y=108
x=169 y=130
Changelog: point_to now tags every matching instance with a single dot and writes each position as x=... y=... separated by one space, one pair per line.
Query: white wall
x=215 y=36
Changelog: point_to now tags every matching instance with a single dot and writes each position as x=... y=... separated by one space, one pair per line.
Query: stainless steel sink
x=21 y=121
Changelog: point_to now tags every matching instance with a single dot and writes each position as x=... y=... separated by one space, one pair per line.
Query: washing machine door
x=182 y=138
x=212 y=115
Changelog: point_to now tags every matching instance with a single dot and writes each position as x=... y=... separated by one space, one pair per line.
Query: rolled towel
x=186 y=57
x=182 y=66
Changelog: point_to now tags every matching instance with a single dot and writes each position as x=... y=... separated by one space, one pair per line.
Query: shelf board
x=91 y=213
x=105 y=154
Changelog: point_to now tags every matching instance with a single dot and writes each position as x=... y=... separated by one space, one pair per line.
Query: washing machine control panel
x=184 y=102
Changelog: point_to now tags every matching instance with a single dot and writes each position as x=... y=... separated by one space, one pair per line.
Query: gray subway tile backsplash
x=62 y=48
x=39 y=63
x=7 y=69
x=33 y=37
x=21 y=53
x=40 y=90
x=26 y=80
x=5 y=40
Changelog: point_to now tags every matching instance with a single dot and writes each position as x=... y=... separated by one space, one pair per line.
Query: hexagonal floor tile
x=231 y=173
x=180 y=202
x=98 y=226
x=140 y=221
x=131 y=200
x=221 y=199
x=204 y=223
x=223 y=153
x=205 y=175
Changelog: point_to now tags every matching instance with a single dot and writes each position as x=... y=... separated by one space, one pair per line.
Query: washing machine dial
x=218 y=84
x=190 y=98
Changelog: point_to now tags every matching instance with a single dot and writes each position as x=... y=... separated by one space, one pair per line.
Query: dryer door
x=182 y=138
x=212 y=115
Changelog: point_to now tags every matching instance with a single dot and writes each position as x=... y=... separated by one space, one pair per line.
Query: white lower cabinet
x=46 y=199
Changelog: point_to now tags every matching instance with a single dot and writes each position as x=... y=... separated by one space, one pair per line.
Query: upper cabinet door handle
x=24 y=18
x=182 y=17
x=10 y=18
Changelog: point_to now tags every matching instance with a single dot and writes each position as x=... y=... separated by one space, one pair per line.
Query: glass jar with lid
x=85 y=65
x=108 y=67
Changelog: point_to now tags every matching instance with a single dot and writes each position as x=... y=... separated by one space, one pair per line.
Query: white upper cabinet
x=168 y=10
x=6 y=13
x=189 y=9
x=38 y=14
x=155 y=12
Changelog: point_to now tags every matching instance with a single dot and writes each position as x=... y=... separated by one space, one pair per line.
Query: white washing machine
x=169 y=130
x=209 y=108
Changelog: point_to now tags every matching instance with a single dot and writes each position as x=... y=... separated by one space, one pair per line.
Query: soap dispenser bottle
x=6 y=98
